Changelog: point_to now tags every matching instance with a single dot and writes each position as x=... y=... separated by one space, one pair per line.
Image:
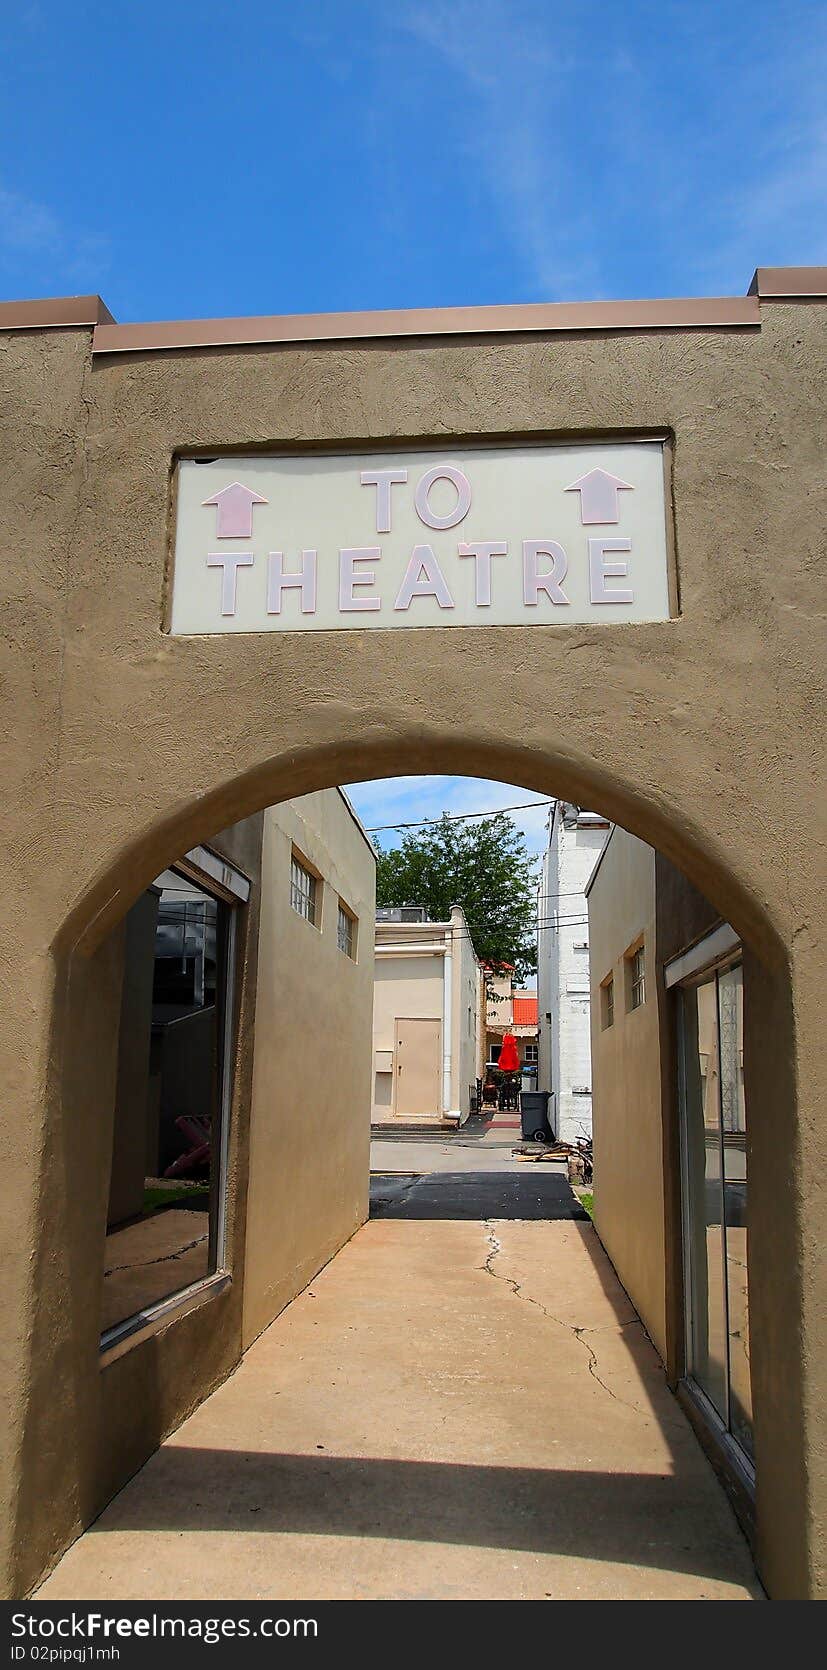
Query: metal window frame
x=224 y=882
x=311 y=896
x=637 y=977
x=346 y=915
x=716 y=947
x=712 y=956
x=607 y=1002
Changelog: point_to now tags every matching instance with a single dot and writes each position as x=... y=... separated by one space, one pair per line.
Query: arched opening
x=142 y=1407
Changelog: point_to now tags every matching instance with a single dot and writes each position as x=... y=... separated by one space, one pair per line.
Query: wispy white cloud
x=409 y=799
x=777 y=215
x=32 y=236
x=26 y=226
x=511 y=68
x=703 y=142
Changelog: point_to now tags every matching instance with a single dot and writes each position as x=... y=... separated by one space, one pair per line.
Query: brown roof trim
x=785 y=283
x=53 y=313
x=694 y=313
x=697 y=313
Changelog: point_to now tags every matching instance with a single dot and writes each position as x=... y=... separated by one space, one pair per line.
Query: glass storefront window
x=713 y=1120
x=166 y=1200
x=734 y=1136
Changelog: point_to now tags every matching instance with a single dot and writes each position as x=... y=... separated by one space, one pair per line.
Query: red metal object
x=197 y=1132
x=509 y=1060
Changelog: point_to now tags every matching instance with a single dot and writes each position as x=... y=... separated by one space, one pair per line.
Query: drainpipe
x=447 y=1020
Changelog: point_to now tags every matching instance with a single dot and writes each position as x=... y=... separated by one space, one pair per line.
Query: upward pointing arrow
x=598 y=496
x=234 y=511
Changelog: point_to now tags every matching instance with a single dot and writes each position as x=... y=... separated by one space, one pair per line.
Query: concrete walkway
x=476 y=1146
x=453 y=1409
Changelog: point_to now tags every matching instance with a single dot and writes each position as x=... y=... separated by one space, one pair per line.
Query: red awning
x=525 y=1010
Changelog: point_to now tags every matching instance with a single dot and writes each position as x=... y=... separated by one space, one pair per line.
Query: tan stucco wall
x=121 y=747
x=412 y=985
x=405 y=985
x=626 y=1082
x=91 y=1425
x=310 y=1114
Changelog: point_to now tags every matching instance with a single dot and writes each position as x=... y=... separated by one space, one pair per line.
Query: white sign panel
x=501 y=535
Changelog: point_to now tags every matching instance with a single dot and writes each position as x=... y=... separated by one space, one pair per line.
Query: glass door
x=713 y=1142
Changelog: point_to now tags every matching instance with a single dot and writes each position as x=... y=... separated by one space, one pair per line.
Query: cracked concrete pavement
x=453 y=1409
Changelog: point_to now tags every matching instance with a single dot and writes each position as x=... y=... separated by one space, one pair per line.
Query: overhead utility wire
x=460 y=817
x=550 y=922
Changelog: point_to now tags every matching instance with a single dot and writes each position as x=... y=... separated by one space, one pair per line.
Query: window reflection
x=734 y=1128
x=162 y=1222
x=715 y=1206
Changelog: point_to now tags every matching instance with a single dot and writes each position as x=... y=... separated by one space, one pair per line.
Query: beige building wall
x=310 y=1113
x=410 y=975
x=408 y=985
x=626 y=1082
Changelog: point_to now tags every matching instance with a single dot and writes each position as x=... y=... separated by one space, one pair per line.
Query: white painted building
x=576 y=839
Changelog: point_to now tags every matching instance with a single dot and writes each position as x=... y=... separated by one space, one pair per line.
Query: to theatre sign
x=499 y=535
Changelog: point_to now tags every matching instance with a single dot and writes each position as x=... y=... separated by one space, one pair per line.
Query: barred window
x=303 y=891
x=637 y=984
x=345 y=931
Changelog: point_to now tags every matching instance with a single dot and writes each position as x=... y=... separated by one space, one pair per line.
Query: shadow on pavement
x=628 y=1517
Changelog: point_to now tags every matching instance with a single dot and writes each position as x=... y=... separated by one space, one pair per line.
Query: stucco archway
x=697 y=733
x=82 y=1034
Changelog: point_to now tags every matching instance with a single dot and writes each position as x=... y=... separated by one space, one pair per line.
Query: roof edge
x=691 y=313
x=602 y=854
x=54 y=313
x=357 y=820
x=694 y=313
x=789 y=284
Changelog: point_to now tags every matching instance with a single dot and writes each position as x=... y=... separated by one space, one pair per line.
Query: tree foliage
x=485 y=867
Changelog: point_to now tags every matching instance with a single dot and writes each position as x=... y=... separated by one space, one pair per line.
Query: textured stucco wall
x=626 y=1082
x=122 y=746
x=310 y=1113
x=409 y=985
x=88 y=1429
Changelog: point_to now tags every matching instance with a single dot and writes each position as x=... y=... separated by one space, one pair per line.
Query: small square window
x=636 y=978
x=607 y=1002
x=346 y=931
x=304 y=891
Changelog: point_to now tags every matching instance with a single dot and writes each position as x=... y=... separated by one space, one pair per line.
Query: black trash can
x=534 y=1123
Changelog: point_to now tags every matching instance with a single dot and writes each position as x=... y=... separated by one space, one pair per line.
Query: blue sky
x=261 y=158
x=265 y=158
x=402 y=799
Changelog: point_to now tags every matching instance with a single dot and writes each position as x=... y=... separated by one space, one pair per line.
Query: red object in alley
x=509 y=1060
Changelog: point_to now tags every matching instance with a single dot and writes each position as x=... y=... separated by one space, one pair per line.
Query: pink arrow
x=598 y=495
x=234 y=511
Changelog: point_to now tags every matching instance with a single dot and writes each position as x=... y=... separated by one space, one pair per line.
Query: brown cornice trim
x=696 y=313
x=789 y=283
x=54 y=313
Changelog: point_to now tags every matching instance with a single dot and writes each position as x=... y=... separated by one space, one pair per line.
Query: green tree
x=484 y=867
